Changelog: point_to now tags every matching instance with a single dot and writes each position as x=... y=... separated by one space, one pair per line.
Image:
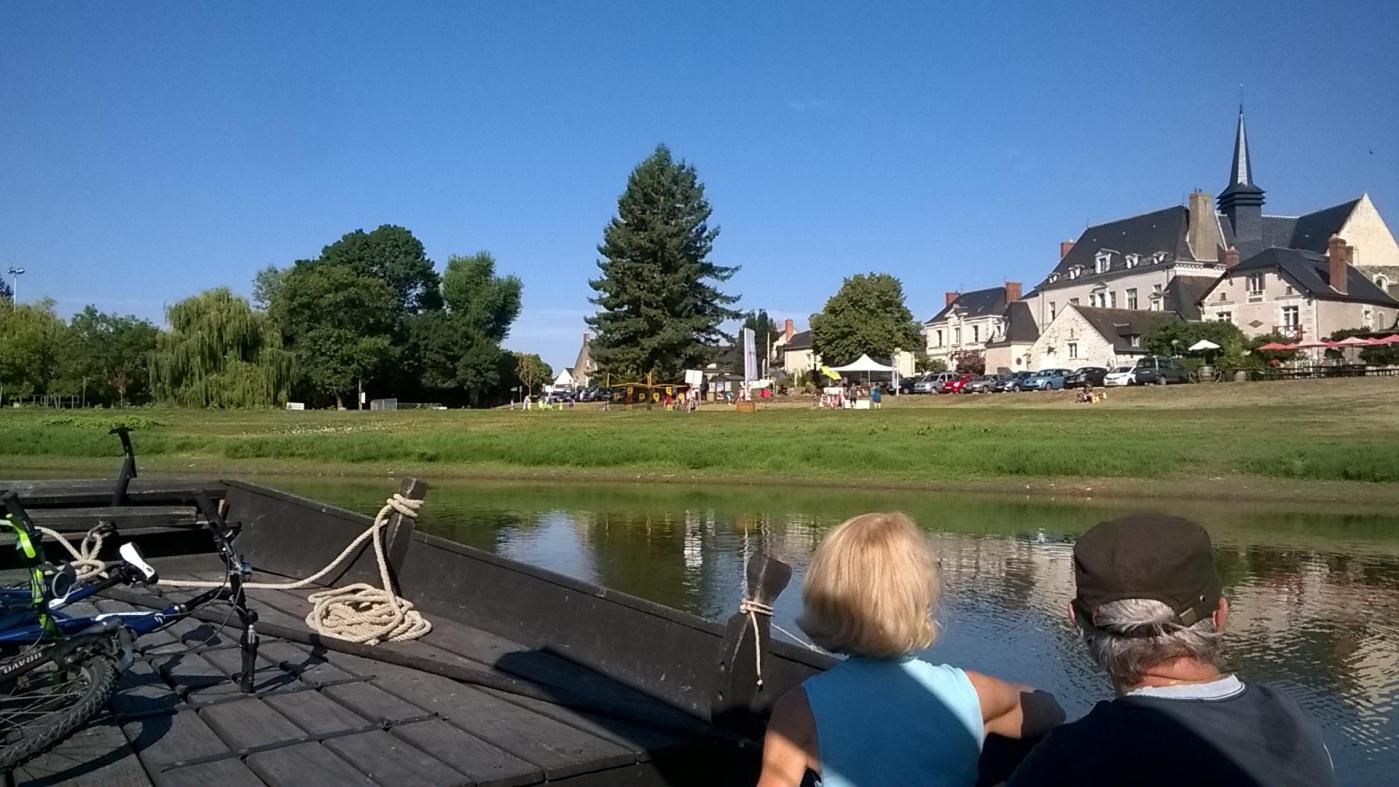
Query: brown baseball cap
x=1153 y=556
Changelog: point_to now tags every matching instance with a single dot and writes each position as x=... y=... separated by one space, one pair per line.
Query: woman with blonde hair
x=882 y=715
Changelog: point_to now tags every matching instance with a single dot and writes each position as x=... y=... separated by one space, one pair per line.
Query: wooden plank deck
x=323 y=717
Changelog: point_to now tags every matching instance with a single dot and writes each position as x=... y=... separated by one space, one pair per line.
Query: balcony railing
x=1290 y=332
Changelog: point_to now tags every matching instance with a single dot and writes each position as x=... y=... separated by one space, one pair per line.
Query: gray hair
x=1125 y=658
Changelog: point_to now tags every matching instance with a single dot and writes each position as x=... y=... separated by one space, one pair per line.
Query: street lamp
x=15 y=273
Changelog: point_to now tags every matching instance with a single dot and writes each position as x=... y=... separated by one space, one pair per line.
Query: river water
x=1314 y=593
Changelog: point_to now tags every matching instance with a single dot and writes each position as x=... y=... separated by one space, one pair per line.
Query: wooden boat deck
x=323 y=717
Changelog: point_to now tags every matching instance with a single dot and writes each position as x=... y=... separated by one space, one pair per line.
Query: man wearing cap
x=1150 y=608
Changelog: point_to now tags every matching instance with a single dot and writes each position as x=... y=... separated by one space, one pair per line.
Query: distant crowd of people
x=1149 y=607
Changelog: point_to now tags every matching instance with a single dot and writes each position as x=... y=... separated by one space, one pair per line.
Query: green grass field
x=1337 y=439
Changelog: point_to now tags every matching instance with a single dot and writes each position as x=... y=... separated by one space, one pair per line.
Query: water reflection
x=1314 y=593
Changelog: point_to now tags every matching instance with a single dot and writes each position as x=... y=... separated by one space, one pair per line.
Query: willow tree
x=219 y=352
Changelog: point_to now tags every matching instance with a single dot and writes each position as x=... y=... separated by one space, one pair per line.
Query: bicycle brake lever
x=132 y=556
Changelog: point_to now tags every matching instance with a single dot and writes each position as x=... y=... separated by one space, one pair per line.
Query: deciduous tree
x=457 y=349
x=219 y=352
x=659 y=303
x=107 y=357
x=339 y=323
x=532 y=371
x=31 y=336
x=867 y=316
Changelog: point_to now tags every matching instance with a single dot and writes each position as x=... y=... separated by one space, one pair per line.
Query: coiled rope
x=85 y=563
x=357 y=613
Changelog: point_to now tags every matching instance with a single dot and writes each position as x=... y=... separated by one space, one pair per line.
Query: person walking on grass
x=883 y=716
x=1151 y=609
x=875 y=396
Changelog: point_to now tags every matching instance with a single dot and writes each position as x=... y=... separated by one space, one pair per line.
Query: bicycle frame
x=67 y=630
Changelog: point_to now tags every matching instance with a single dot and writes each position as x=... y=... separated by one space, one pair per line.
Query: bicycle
x=59 y=670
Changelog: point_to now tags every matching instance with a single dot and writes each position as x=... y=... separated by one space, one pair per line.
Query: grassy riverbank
x=1327 y=439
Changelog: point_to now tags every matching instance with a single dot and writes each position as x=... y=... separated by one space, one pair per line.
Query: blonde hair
x=871 y=588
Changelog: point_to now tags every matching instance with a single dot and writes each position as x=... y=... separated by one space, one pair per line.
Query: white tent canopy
x=863 y=364
x=1203 y=344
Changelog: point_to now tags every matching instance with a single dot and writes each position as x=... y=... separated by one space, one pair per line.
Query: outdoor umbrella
x=1203 y=344
x=1280 y=346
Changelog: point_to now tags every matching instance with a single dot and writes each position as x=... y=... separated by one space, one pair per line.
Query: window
x=1287 y=290
x=1051 y=310
x=939 y=338
x=1291 y=317
x=1053 y=277
x=1368 y=321
x=1224 y=317
x=957 y=337
x=1112 y=300
x=1255 y=284
x=1135 y=340
x=1382 y=283
x=976 y=334
x=1073 y=301
x=1223 y=296
x=1132 y=298
x=1132 y=260
x=1075 y=271
x=1073 y=350
x=1103 y=263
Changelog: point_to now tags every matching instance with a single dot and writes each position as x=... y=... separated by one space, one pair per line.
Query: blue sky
x=150 y=150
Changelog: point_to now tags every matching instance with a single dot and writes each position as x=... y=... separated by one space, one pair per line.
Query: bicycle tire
x=23 y=736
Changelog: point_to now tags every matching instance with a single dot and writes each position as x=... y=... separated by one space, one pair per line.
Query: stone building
x=1300 y=294
x=1087 y=336
x=969 y=322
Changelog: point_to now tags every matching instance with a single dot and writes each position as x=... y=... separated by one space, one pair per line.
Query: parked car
x=1092 y=375
x=1159 y=370
x=985 y=383
x=932 y=382
x=1121 y=375
x=954 y=384
x=907 y=383
x=1015 y=381
x=1046 y=380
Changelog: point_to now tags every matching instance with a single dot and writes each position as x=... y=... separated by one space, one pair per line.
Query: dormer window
x=1053 y=277
x=1075 y=271
x=1103 y=263
x=1159 y=257
x=1132 y=260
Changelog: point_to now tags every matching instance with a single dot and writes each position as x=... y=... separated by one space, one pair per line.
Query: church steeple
x=1242 y=200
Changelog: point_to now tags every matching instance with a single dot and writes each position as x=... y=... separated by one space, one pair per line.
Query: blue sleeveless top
x=895 y=721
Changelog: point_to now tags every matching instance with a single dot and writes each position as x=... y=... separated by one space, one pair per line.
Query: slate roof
x=1144 y=235
x=977 y=303
x=1309 y=232
x=1182 y=296
x=801 y=340
x=1117 y=325
x=1020 y=326
x=1310 y=273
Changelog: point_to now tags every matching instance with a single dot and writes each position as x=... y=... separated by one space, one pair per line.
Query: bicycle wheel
x=42 y=707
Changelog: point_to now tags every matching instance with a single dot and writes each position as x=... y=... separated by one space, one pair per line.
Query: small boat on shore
x=526 y=677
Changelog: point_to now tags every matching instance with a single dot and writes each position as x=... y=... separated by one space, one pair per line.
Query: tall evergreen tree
x=659 y=306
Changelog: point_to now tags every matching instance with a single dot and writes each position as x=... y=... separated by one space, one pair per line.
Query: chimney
x=1338 y=260
x=1065 y=246
x=1203 y=232
x=1012 y=292
x=952 y=296
x=1231 y=257
x=788 y=329
x=587 y=337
